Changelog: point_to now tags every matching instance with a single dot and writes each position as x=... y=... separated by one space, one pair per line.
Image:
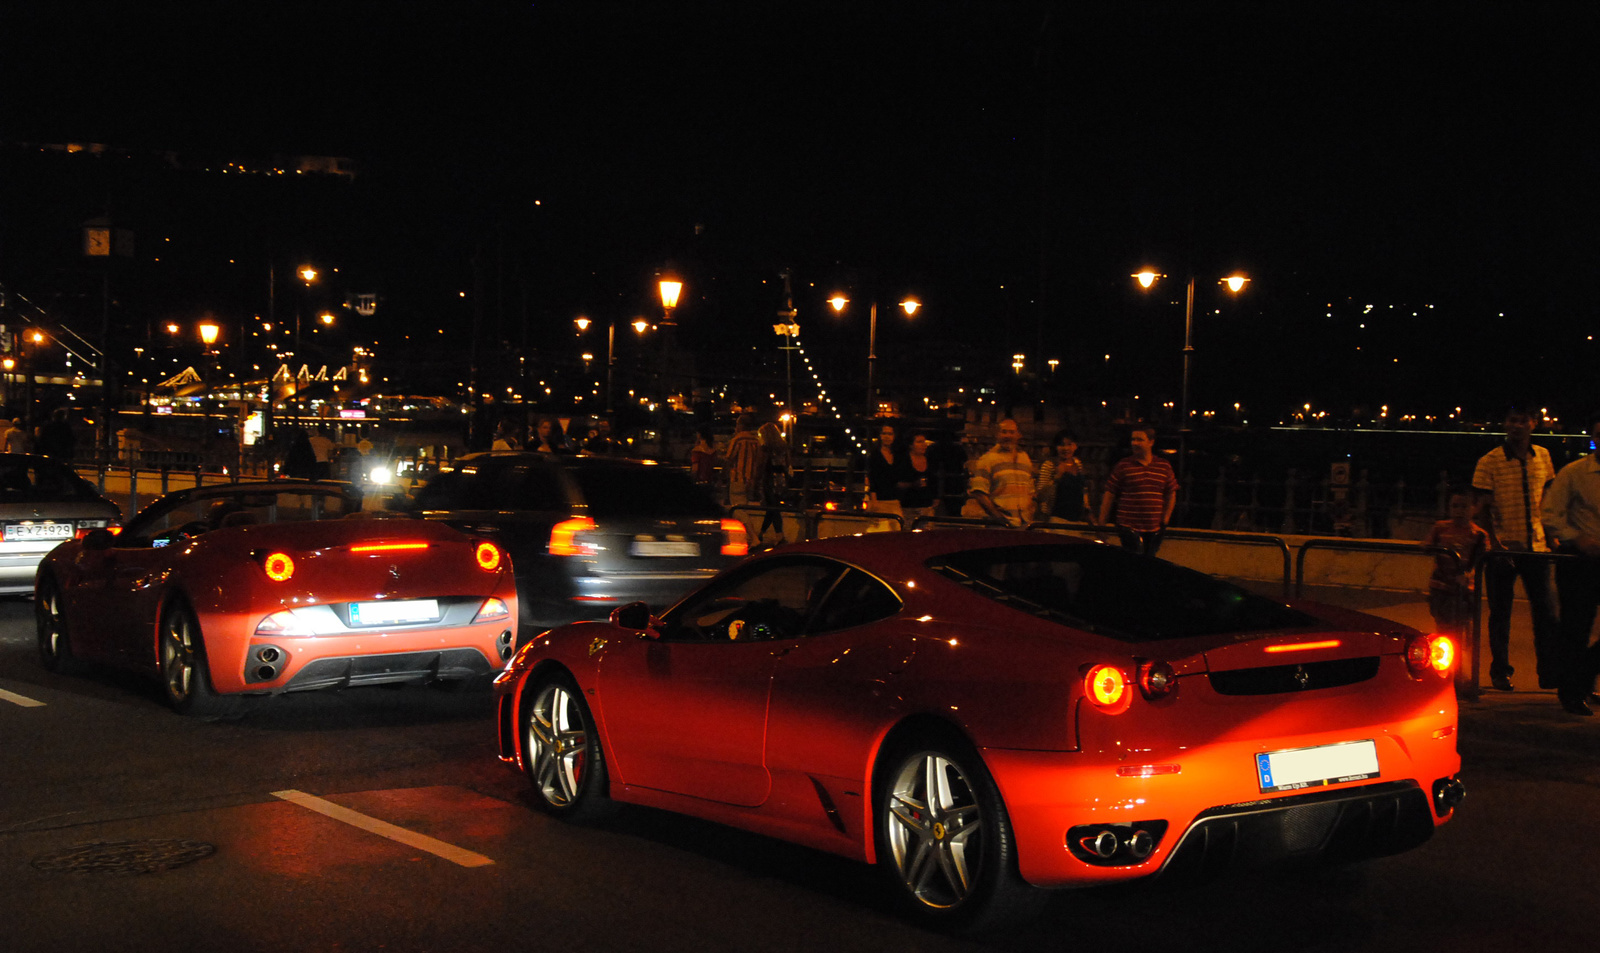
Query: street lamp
x=208 y=334
x=670 y=288
x=909 y=306
x=640 y=325
x=1234 y=283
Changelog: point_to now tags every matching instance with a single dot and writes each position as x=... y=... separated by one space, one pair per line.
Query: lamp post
x=909 y=306
x=670 y=288
x=640 y=326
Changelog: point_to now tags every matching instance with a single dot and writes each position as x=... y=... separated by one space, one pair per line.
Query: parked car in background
x=586 y=534
x=43 y=503
x=277 y=586
x=985 y=712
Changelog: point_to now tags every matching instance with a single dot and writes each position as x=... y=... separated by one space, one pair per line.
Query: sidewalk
x=1527 y=716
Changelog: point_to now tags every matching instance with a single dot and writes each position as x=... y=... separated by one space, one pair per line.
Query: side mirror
x=634 y=615
x=98 y=540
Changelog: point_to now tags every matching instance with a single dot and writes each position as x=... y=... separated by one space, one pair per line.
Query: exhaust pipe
x=1447 y=794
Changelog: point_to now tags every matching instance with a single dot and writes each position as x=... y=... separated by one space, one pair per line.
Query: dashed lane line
x=450 y=852
x=22 y=700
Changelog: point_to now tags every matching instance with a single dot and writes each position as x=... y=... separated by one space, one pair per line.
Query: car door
x=687 y=713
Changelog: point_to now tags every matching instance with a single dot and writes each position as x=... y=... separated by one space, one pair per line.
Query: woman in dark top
x=886 y=474
x=921 y=490
x=1061 y=489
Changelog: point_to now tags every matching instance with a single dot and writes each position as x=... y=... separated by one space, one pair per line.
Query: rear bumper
x=448 y=664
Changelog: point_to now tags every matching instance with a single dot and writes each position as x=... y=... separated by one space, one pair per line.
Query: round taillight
x=1430 y=653
x=488 y=556
x=1156 y=679
x=1107 y=686
x=279 y=567
x=1441 y=653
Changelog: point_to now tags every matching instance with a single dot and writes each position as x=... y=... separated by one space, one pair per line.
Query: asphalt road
x=465 y=863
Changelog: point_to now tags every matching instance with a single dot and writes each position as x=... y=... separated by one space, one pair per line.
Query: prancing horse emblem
x=394 y=572
x=1302 y=678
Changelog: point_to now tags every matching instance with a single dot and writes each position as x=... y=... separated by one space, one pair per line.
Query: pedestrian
x=1510 y=483
x=886 y=474
x=322 y=448
x=506 y=436
x=1061 y=491
x=1141 y=493
x=18 y=440
x=703 y=457
x=744 y=462
x=1572 y=511
x=1455 y=570
x=548 y=436
x=1002 y=479
x=950 y=474
x=775 y=479
x=919 y=496
x=56 y=439
x=301 y=461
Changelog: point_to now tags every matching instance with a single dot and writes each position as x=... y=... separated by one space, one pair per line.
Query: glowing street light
x=1234 y=283
x=909 y=306
x=208 y=333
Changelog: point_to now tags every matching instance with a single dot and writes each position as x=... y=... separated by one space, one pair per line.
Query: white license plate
x=1317 y=767
x=27 y=531
x=394 y=613
x=664 y=547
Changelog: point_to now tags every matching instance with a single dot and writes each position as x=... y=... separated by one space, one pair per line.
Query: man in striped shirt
x=1141 y=494
x=1510 y=482
x=1002 y=479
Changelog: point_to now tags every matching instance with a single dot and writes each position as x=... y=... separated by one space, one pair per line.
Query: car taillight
x=492 y=608
x=282 y=623
x=567 y=537
x=1107 y=688
x=487 y=556
x=279 y=567
x=735 y=538
x=1156 y=679
x=1430 y=653
x=387 y=547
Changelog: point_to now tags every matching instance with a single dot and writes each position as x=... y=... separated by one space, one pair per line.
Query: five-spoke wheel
x=185 y=678
x=945 y=839
x=55 y=646
x=562 y=750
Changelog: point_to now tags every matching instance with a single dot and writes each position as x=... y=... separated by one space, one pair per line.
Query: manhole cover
x=124 y=857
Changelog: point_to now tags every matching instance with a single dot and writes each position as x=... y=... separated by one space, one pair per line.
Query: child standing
x=1454 y=576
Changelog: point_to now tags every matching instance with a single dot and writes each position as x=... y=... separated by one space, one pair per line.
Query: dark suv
x=586 y=534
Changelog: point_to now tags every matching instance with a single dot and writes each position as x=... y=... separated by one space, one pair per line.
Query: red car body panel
x=783 y=737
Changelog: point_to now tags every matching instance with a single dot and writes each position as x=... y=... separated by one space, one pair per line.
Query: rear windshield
x=1113 y=592
x=31 y=480
x=625 y=492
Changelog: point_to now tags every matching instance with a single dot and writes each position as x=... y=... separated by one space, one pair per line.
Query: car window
x=494 y=485
x=857 y=599
x=40 y=481
x=625 y=492
x=1109 y=590
x=770 y=601
x=200 y=514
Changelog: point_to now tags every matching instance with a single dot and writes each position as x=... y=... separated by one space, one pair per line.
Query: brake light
x=1304 y=646
x=1435 y=653
x=1156 y=679
x=1107 y=687
x=387 y=547
x=566 y=537
x=279 y=567
x=282 y=623
x=735 y=538
x=492 y=608
x=487 y=556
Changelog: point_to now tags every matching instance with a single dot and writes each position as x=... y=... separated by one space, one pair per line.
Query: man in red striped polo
x=1140 y=494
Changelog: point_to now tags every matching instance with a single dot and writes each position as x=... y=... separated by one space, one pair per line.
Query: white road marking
x=450 y=852
x=22 y=700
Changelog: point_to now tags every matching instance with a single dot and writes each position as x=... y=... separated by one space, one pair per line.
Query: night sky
x=1009 y=163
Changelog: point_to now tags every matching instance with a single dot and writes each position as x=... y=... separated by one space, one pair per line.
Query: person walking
x=56 y=439
x=1572 y=510
x=774 y=479
x=1141 y=493
x=1002 y=479
x=703 y=457
x=744 y=462
x=1510 y=482
x=1061 y=490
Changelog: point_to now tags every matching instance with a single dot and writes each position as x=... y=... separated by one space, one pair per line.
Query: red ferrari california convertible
x=984 y=713
x=282 y=586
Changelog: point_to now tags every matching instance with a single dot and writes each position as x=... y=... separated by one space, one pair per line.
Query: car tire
x=55 y=643
x=950 y=858
x=185 y=670
x=561 y=751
